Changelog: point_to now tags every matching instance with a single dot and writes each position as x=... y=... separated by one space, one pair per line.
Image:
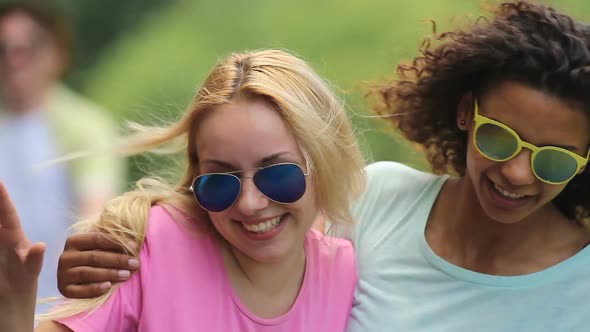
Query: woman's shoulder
x=329 y=244
x=393 y=191
x=390 y=172
x=165 y=217
x=333 y=261
x=169 y=229
x=389 y=180
x=161 y=221
x=334 y=254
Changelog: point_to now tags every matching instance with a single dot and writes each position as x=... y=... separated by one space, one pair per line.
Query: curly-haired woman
x=497 y=240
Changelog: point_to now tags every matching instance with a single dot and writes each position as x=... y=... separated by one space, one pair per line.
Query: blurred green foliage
x=151 y=71
x=96 y=24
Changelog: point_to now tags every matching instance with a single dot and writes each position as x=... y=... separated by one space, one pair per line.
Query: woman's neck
x=459 y=231
x=266 y=289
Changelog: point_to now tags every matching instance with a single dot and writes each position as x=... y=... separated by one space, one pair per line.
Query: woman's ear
x=465 y=110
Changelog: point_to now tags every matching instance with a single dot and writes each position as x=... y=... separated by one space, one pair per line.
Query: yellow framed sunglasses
x=550 y=164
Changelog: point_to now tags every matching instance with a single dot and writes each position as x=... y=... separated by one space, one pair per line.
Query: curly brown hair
x=525 y=42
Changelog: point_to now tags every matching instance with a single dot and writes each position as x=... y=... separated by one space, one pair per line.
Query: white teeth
x=507 y=193
x=264 y=226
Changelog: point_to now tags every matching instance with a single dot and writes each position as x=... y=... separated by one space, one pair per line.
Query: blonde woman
x=499 y=240
x=230 y=247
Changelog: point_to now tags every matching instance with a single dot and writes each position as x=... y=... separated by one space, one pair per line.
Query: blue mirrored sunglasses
x=282 y=183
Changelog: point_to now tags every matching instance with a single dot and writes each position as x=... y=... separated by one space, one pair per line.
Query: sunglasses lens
x=554 y=166
x=283 y=183
x=495 y=142
x=216 y=192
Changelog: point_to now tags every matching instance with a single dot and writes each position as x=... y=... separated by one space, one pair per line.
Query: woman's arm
x=91 y=263
x=52 y=327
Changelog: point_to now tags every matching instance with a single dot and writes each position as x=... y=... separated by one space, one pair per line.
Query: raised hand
x=20 y=264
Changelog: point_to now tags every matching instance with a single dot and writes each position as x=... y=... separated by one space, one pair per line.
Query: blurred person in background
x=41 y=120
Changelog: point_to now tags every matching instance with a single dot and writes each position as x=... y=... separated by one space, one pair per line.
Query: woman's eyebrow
x=219 y=163
x=264 y=161
x=274 y=157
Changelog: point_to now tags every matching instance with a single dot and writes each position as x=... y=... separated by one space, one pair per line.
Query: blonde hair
x=313 y=113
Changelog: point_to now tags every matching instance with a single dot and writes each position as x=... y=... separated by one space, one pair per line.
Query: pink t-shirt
x=182 y=286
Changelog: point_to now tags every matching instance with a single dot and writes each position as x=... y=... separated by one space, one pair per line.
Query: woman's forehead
x=538 y=117
x=247 y=130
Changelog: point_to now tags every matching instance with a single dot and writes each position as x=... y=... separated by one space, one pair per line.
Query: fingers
x=97 y=259
x=8 y=216
x=90 y=264
x=92 y=241
x=90 y=275
x=34 y=258
x=85 y=291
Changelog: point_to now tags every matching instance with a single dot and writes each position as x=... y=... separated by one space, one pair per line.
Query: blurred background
x=143 y=59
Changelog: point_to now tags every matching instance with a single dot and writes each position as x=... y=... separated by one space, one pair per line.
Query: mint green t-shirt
x=404 y=286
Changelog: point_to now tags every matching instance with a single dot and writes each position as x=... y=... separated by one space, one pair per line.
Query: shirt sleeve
x=383 y=225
